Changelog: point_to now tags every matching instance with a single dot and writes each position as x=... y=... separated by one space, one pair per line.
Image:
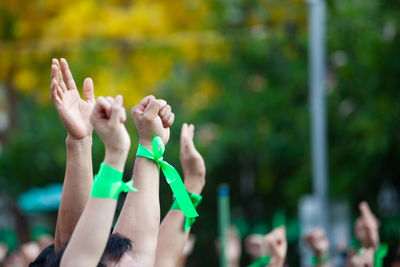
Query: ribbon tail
x=129 y=187
x=179 y=190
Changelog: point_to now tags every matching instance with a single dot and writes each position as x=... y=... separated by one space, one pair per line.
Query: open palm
x=72 y=109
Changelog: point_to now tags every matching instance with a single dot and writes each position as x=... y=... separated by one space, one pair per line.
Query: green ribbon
x=196 y=199
x=108 y=183
x=171 y=175
x=380 y=254
x=260 y=262
x=319 y=260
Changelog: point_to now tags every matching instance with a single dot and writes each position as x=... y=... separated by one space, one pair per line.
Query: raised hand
x=276 y=246
x=367 y=227
x=318 y=242
x=152 y=117
x=73 y=111
x=255 y=246
x=108 y=118
x=193 y=165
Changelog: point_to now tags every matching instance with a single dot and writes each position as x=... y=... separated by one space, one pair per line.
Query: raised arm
x=172 y=235
x=317 y=240
x=140 y=216
x=276 y=246
x=74 y=113
x=367 y=227
x=90 y=236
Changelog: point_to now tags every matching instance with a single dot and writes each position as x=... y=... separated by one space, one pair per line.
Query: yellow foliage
x=128 y=47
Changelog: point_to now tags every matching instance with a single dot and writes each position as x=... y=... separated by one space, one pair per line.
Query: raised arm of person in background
x=172 y=236
x=255 y=246
x=187 y=250
x=319 y=244
x=367 y=227
x=364 y=258
x=276 y=246
x=139 y=219
x=74 y=113
x=233 y=249
x=90 y=236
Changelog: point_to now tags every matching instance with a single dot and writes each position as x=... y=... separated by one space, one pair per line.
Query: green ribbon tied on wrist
x=171 y=175
x=260 y=262
x=380 y=254
x=196 y=199
x=319 y=260
x=108 y=183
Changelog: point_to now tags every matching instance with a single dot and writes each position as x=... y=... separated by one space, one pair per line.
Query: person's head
x=118 y=252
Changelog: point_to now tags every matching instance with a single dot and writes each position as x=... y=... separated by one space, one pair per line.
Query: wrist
x=74 y=142
x=146 y=143
x=116 y=159
x=276 y=262
x=194 y=187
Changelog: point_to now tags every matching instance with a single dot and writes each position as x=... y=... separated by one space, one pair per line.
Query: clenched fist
x=152 y=117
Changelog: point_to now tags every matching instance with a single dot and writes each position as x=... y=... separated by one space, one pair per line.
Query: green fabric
x=316 y=260
x=196 y=199
x=380 y=254
x=171 y=175
x=260 y=262
x=108 y=183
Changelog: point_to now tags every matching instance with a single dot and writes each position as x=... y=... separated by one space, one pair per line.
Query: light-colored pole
x=316 y=24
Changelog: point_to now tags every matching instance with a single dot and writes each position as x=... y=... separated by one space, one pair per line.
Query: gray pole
x=316 y=26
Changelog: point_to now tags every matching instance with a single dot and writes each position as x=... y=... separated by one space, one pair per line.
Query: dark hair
x=117 y=246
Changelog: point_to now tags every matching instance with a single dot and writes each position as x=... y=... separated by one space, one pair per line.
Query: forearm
x=91 y=233
x=76 y=188
x=139 y=219
x=90 y=236
x=171 y=239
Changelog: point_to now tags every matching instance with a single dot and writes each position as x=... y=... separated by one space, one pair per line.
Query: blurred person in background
x=233 y=249
x=187 y=250
x=318 y=242
x=366 y=229
x=268 y=250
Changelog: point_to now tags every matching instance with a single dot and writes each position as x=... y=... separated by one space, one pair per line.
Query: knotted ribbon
x=108 y=183
x=171 y=175
x=196 y=199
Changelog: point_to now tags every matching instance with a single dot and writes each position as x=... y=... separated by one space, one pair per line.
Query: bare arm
x=140 y=216
x=74 y=113
x=172 y=237
x=319 y=244
x=90 y=236
x=76 y=188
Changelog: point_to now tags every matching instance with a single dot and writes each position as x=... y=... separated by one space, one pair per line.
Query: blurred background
x=238 y=70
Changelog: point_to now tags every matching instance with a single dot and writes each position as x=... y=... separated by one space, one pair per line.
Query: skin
x=172 y=238
x=187 y=250
x=367 y=227
x=74 y=113
x=255 y=246
x=365 y=259
x=319 y=244
x=233 y=248
x=276 y=246
x=139 y=219
x=90 y=236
